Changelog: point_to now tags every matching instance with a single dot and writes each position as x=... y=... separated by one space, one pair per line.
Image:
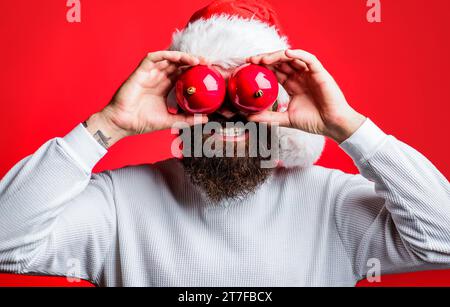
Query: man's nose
x=227 y=110
x=226 y=113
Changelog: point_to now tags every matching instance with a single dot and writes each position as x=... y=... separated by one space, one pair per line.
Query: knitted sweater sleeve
x=395 y=216
x=55 y=217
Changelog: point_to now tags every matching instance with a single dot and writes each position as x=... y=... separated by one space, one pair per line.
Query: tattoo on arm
x=100 y=137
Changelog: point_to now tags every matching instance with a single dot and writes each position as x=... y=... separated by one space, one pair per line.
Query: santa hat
x=227 y=32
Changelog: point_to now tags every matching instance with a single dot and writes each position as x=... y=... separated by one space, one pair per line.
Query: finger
x=174 y=73
x=147 y=64
x=188 y=119
x=257 y=59
x=294 y=86
x=174 y=57
x=286 y=72
x=204 y=61
x=163 y=65
x=281 y=76
x=298 y=65
x=163 y=55
x=285 y=68
x=276 y=57
x=189 y=60
x=254 y=60
x=281 y=119
x=313 y=63
x=171 y=69
x=279 y=61
x=156 y=79
x=167 y=69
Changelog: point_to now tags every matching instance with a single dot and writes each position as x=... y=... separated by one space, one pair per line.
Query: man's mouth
x=231 y=134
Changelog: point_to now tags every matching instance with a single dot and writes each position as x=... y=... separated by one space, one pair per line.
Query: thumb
x=282 y=119
x=190 y=120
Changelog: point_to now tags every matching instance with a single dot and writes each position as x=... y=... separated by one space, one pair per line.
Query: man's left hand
x=317 y=104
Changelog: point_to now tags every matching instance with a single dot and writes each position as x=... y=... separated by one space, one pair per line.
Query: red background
x=54 y=74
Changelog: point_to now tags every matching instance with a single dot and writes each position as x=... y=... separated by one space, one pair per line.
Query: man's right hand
x=139 y=106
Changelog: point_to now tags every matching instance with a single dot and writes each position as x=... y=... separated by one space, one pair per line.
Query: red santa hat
x=227 y=32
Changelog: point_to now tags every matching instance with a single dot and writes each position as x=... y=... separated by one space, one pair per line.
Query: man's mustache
x=218 y=118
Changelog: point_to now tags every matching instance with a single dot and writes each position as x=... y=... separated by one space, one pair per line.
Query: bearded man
x=226 y=221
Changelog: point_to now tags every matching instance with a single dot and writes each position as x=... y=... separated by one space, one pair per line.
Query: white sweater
x=148 y=226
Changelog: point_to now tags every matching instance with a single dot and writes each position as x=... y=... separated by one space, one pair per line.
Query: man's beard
x=227 y=178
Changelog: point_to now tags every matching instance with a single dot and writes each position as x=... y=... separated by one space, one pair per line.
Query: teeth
x=232 y=132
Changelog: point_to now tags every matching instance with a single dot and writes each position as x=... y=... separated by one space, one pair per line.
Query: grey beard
x=226 y=178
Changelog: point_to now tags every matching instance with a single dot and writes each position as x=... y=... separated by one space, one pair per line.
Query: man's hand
x=140 y=104
x=318 y=105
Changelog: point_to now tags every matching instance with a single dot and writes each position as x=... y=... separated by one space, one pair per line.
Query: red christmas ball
x=200 y=90
x=253 y=88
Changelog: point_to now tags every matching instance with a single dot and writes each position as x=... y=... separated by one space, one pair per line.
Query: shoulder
x=314 y=174
x=317 y=181
x=167 y=170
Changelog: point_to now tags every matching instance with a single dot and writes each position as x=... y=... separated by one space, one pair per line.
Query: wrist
x=102 y=128
x=344 y=126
